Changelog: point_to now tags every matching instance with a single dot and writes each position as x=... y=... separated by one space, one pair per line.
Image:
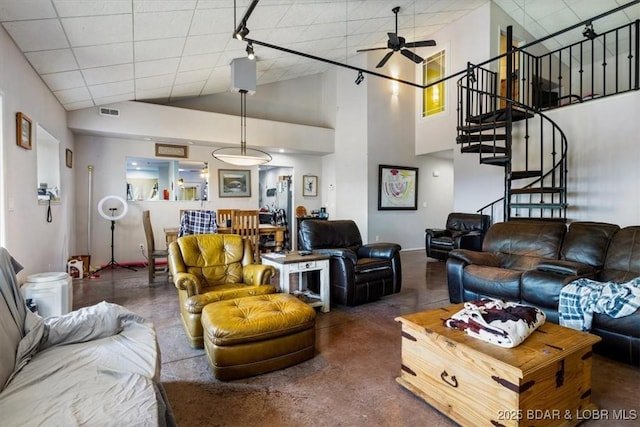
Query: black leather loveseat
x=358 y=273
x=530 y=262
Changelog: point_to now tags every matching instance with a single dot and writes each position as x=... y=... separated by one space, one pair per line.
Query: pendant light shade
x=242 y=156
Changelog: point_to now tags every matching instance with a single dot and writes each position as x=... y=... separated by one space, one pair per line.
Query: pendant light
x=242 y=156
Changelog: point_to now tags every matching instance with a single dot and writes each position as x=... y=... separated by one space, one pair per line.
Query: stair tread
x=495 y=160
x=538 y=205
x=525 y=174
x=484 y=148
x=500 y=115
x=461 y=139
x=537 y=190
x=481 y=126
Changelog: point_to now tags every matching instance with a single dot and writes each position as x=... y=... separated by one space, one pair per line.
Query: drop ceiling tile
x=160 y=25
x=149 y=83
x=72 y=95
x=266 y=16
x=112 y=73
x=52 y=61
x=157 y=68
x=189 y=89
x=115 y=98
x=197 y=62
x=111 y=89
x=557 y=21
x=145 y=6
x=104 y=55
x=18 y=10
x=63 y=80
x=209 y=21
x=197 y=45
x=40 y=34
x=147 y=50
x=95 y=30
x=192 y=76
x=71 y=106
x=153 y=93
x=509 y=6
x=68 y=8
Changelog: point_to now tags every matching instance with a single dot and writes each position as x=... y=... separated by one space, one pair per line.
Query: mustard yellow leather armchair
x=213 y=267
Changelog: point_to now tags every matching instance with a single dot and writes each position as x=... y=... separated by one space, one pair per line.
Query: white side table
x=293 y=263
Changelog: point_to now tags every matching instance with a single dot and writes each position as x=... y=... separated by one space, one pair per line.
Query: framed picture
x=234 y=183
x=69 y=158
x=309 y=185
x=24 y=131
x=170 y=150
x=397 y=188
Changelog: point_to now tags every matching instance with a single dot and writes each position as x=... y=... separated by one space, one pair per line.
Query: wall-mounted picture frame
x=234 y=183
x=309 y=185
x=24 y=131
x=69 y=158
x=397 y=188
x=171 y=150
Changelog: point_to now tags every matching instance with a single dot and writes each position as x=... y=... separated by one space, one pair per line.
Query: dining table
x=277 y=231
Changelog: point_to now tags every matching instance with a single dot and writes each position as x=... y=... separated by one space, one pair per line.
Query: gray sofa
x=97 y=366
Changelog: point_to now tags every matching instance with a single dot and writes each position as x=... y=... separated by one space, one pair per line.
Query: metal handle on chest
x=452 y=381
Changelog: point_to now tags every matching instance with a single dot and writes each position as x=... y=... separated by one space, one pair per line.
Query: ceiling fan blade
x=393 y=39
x=412 y=56
x=372 y=48
x=384 y=60
x=423 y=43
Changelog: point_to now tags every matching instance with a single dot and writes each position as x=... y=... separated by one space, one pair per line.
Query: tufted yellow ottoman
x=258 y=334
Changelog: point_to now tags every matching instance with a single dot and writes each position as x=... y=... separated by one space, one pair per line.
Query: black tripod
x=113 y=263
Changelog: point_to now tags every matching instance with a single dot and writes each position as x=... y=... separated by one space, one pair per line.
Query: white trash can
x=52 y=292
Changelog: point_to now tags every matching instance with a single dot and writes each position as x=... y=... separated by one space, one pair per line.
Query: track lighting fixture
x=242 y=32
x=589 y=32
x=249 y=50
x=359 y=78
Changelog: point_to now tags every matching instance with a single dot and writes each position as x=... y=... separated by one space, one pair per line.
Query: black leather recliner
x=463 y=231
x=358 y=273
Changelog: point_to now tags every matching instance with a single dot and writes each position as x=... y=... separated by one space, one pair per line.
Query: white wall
x=37 y=244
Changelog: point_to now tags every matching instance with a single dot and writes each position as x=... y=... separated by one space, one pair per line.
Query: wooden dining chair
x=224 y=215
x=153 y=254
x=246 y=223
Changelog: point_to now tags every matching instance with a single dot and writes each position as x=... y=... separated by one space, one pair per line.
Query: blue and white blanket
x=583 y=297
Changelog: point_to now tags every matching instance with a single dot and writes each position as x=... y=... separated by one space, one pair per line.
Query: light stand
x=113 y=263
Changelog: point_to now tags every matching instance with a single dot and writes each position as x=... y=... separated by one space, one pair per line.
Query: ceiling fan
x=396 y=43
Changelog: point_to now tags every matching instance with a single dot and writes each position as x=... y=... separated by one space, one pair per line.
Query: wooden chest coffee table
x=545 y=381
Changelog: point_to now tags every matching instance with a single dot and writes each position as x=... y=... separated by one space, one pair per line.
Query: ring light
x=104 y=215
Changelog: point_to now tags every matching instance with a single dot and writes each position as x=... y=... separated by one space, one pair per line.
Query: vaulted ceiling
x=95 y=52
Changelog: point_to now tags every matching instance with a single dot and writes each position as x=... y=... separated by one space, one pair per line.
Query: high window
x=433 y=97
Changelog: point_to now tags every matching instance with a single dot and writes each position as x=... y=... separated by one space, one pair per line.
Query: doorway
x=515 y=67
x=276 y=197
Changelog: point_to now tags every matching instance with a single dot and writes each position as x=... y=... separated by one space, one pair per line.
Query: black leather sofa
x=462 y=231
x=530 y=262
x=358 y=273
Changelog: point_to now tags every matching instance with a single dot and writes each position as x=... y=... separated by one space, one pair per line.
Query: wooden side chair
x=224 y=215
x=153 y=254
x=246 y=223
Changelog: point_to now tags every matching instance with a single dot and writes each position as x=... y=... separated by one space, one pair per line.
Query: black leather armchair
x=463 y=231
x=358 y=273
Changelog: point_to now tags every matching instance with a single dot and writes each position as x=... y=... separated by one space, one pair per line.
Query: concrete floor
x=350 y=381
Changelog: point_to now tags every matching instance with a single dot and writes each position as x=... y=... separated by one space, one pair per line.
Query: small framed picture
x=171 y=150
x=69 y=158
x=234 y=183
x=309 y=185
x=24 y=131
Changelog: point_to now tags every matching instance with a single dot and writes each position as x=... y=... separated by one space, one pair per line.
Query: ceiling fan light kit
x=399 y=44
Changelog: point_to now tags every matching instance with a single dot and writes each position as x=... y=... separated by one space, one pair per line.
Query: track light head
x=359 y=78
x=589 y=32
x=250 y=54
x=242 y=32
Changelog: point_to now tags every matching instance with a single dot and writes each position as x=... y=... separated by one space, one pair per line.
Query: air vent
x=109 y=112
